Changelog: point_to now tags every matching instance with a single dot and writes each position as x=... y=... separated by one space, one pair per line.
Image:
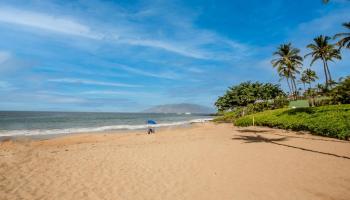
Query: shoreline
x=92 y=130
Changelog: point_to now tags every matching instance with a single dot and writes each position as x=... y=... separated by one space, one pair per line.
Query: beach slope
x=204 y=161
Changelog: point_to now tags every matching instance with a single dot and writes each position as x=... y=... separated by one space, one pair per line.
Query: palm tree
x=303 y=80
x=320 y=88
x=284 y=72
x=288 y=63
x=345 y=40
x=310 y=76
x=322 y=50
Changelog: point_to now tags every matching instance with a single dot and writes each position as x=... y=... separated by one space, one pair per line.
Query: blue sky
x=96 y=55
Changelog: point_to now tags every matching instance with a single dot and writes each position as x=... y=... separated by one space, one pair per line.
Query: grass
x=226 y=117
x=299 y=104
x=330 y=121
x=305 y=102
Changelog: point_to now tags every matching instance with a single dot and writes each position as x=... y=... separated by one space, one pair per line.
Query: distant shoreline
x=104 y=130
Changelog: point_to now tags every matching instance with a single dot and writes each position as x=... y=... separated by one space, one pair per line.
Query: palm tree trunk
x=292 y=87
x=311 y=96
x=290 y=90
x=325 y=71
x=295 y=89
x=329 y=74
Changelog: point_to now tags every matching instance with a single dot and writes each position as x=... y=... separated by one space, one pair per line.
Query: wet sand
x=204 y=161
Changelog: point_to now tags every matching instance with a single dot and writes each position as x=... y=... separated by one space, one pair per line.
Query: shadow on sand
x=259 y=138
x=289 y=136
x=251 y=131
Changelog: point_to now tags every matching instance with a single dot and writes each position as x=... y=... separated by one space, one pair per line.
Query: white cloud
x=126 y=31
x=46 y=22
x=110 y=93
x=91 y=82
x=11 y=65
x=194 y=70
x=107 y=92
x=58 y=99
x=304 y=33
x=327 y=24
x=168 y=75
x=176 y=48
x=4 y=56
x=6 y=86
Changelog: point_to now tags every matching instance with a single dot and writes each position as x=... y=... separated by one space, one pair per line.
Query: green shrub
x=231 y=116
x=324 y=102
x=248 y=93
x=331 y=121
x=341 y=93
x=225 y=117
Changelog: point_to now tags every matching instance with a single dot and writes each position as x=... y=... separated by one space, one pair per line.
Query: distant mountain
x=180 y=108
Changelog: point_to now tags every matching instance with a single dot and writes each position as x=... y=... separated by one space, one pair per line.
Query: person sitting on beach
x=150 y=126
x=150 y=130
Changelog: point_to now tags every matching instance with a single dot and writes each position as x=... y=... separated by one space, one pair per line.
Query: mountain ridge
x=179 y=108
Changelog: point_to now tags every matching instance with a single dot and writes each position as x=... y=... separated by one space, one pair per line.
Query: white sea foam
x=38 y=132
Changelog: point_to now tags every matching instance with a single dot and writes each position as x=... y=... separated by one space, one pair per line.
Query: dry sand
x=205 y=161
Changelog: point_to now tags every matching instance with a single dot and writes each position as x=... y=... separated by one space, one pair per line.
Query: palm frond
x=314 y=59
x=346 y=25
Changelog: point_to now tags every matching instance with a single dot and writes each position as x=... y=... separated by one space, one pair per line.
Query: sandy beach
x=204 y=161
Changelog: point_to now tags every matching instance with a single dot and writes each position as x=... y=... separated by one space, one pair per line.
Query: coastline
x=117 y=129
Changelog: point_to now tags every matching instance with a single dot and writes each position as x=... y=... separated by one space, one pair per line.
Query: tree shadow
x=327 y=140
x=290 y=136
x=309 y=110
x=296 y=111
x=259 y=138
x=251 y=131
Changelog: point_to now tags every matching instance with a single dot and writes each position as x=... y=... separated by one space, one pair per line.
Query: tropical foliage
x=266 y=103
x=331 y=121
x=248 y=93
x=237 y=112
x=288 y=63
x=309 y=76
x=229 y=116
x=322 y=50
x=345 y=37
x=341 y=93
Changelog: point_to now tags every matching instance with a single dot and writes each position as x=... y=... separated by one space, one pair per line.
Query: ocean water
x=17 y=123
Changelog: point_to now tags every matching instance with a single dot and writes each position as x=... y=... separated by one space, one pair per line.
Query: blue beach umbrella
x=151 y=122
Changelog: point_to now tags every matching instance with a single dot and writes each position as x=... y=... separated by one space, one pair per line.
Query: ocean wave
x=36 y=132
